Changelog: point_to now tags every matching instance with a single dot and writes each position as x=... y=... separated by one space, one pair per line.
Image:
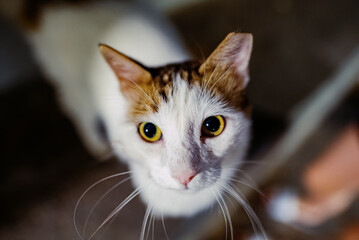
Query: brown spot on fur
x=164 y=96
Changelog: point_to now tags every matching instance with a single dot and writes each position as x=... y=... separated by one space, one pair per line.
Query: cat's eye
x=149 y=132
x=212 y=126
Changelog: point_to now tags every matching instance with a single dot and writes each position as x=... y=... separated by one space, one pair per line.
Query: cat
x=182 y=131
x=182 y=127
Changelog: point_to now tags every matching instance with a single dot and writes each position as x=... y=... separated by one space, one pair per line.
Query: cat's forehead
x=164 y=85
x=179 y=85
x=187 y=71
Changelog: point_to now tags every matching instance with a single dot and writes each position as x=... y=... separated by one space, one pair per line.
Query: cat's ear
x=230 y=57
x=128 y=72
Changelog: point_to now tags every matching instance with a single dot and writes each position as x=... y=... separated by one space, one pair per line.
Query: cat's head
x=188 y=123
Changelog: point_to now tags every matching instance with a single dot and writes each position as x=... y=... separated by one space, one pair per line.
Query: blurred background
x=305 y=148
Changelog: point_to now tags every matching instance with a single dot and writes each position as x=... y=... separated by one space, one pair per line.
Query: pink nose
x=184 y=177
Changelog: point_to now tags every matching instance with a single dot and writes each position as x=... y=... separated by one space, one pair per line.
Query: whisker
x=204 y=83
x=149 y=225
x=220 y=77
x=246 y=177
x=99 y=200
x=107 y=156
x=109 y=224
x=256 y=224
x=224 y=215
x=228 y=215
x=254 y=162
x=246 y=184
x=144 y=93
x=118 y=208
x=86 y=191
x=210 y=77
x=164 y=227
x=243 y=173
x=153 y=226
x=144 y=223
x=198 y=46
x=230 y=201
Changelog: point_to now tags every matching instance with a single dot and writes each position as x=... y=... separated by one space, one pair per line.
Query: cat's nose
x=184 y=177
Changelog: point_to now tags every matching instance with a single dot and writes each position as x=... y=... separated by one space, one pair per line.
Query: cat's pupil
x=150 y=130
x=212 y=124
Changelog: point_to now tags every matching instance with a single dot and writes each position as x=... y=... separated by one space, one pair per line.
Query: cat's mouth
x=194 y=187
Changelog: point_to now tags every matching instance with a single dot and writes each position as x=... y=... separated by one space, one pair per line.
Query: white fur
x=67 y=46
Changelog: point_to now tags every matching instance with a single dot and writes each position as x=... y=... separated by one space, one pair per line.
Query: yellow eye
x=149 y=132
x=212 y=126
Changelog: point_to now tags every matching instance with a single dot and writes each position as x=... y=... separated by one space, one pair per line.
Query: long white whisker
x=231 y=202
x=246 y=184
x=248 y=162
x=224 y=215
x=204 y=82
x=118 y=208
x=243 y=173
x=107 y=155
x=250 y=213
x=144 y=223
x=243 y=203
x=149 y=225
x=99 y=200
x=228 y=215
x=109 y=224
x=153 y=226
x=250 y=182
x=86 y=191
x=210 y=77
x=164 y=227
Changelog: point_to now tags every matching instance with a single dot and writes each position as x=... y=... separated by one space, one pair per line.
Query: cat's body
x=199 y=109
x=66 y=44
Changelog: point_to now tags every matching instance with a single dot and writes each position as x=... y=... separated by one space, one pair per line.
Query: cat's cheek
x=150 y=153
x=218 y=146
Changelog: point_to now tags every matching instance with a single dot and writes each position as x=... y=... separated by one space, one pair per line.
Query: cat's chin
x=185 y=189
x=178 y=203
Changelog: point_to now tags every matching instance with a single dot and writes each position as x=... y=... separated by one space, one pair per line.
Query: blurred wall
x=16 y=63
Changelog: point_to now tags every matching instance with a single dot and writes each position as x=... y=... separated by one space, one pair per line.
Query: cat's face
x=187 y=124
